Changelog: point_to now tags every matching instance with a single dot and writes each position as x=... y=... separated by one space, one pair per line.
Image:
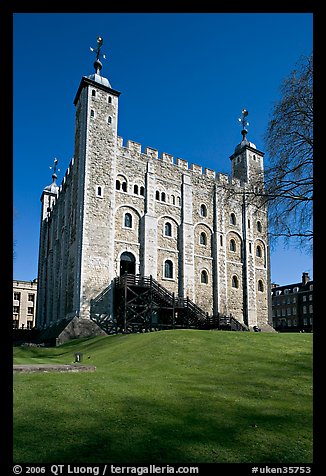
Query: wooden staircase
x=143 y=305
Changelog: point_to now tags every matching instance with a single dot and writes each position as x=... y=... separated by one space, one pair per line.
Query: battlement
x=149 y=153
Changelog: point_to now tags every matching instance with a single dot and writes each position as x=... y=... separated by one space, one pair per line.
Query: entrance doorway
x=127 y=263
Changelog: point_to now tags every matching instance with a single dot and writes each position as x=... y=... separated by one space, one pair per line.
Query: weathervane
x=54 y=167
x=97 y=51
x=244 y=123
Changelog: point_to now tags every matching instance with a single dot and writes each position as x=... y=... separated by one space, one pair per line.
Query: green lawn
x=168 y=397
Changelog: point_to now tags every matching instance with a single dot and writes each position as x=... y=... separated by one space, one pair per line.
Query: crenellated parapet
x=134 y=150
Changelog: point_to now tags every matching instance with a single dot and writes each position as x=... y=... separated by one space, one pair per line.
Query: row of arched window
x=168 y=231
x=94 y=94
x=121 y=184
x=233 y=221
x=169 y=274
x=108 y=119
x=162 y=197
x=235 y=283
x=233 y=248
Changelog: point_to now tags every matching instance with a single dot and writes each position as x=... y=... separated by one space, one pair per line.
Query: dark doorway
x=127 y=263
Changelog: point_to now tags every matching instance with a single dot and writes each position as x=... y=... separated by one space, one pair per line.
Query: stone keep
x=124 y=208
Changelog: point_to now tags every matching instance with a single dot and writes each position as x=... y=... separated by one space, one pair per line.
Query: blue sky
x=184 y=79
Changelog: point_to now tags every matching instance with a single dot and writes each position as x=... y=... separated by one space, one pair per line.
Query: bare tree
x=289 y=144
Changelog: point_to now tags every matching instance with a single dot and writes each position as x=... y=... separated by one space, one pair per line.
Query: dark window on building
x=17 y=296
x=109 y=120
x=93 y=92
x=203 y=210
x=235 y=282
x=259 y=252
x=163 y=197
x=204 y=277
x=168 y=229
x=157 y=195
x=259 y=227
x=142 y=190
x=124 y=186
x=117 y=185
x=110 y=99
x=31 y=297
x=233 y=245
x=128 y=220
x=99 y=191
x=260 y=286
x=136 y=189
x=168 y=269
x=233 y=220
x=203 y=238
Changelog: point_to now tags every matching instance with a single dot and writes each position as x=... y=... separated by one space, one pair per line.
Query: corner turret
x=247 y=160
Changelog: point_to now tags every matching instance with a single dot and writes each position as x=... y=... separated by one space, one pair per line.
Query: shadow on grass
x=179 y=431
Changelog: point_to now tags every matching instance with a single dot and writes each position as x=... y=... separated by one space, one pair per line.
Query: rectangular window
x=16 y=309
x=31 y=297
x=30 y=310
x=17 y=296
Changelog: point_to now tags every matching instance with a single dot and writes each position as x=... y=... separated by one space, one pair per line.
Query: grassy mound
x=168 y=397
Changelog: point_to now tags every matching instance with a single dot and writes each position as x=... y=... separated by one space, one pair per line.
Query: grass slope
x=168 y=397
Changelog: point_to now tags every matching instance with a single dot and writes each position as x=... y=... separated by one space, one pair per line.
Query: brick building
x=292 y=306
x=124 y=208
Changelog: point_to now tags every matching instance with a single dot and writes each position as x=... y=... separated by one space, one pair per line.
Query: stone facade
x=123 y=207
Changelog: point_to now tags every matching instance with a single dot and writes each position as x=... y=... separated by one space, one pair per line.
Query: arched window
x=233 y=220
x=259 y=252
x=203 y=210
x=142 y=191
x=173 y=199
x=168 y=269
x=117 y=185
x=168 y=229
x=92 y=113
x=136 y=189
x=260 y=286
x=235 y=281
x=157 y=195
x=204 y=277
x=109 y=99
x=203 y=238
x=259 y=227
x=124 y=186
x=163 y=197
x=128 y=220
x=93 y=93
x=233 y=245
x=109 y=120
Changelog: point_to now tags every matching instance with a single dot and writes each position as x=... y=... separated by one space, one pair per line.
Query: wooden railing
x=196 y=317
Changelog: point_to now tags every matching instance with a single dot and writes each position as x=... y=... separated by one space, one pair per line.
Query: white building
x=124 y=208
